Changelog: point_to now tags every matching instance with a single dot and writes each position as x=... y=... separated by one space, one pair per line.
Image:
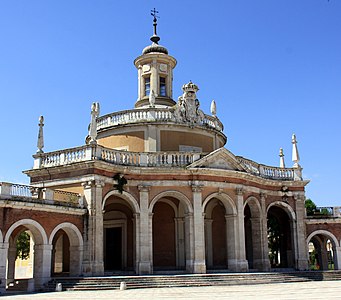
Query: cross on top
x=154 y=13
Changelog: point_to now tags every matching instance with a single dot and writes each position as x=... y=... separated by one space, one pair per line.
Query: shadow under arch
x=324 y=256
x=74 y=244
x=228 y=203
x=124 y=195
x=288 y=209
x=174 y=194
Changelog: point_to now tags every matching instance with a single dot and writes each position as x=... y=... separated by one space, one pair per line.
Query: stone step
x=157 y=281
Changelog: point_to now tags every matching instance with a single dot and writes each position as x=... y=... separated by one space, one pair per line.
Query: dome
x=155 y=48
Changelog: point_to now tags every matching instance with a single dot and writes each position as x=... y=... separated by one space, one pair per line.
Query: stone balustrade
x=17 y=192
x=326 y=212
x=267 y=171
x=151 y=159
x=151 y=115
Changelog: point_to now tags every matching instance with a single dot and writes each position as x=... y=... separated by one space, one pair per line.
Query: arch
x=71 y=230
x=175 y=194
x=37 y=230
x=323 y=232
x=229 y=205
x=288 y=209
x=126 y=196
x=254 y=205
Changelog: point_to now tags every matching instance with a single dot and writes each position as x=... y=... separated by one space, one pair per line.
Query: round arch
x=71 y=230
x=287 y=208
x=254 y=205
x=225 y=199
x=323 y=232
x=175 y=194
x=37 y=230
x=126 y=196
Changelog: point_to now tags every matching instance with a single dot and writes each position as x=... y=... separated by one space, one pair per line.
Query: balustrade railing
x=267 y=171
x=150 y=115
x=27 y=193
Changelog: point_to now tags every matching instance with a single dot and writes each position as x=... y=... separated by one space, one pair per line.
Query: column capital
x=144 y=188
x=240 y=191
x=299 y=197
x=93 y=183
x=197 y=188
x=263 y=195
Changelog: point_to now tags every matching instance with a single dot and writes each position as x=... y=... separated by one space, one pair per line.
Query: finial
x=93 y=123
x=295 y=155
x=155 y=38
x=281 y=158
x=152 y=97
x=213 y=108
x=40 y=143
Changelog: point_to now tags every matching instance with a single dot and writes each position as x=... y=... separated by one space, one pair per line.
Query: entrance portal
x=113 y=248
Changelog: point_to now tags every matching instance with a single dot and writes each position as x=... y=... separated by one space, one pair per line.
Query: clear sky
x=273 y=67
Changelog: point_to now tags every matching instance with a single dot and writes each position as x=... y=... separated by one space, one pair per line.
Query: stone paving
x=307 y=290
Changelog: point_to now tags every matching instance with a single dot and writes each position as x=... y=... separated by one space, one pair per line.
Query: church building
x=154 y=190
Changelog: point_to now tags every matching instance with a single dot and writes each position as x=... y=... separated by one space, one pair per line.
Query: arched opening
x=28 y=256
x=217 y=244
x=60 y=254
x=322 y=252
x=67 y=250
x=253 y=235
x=118 y=236
x=169 y=231
x=280 y=238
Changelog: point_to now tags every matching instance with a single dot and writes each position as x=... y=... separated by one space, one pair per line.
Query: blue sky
x=273 y=67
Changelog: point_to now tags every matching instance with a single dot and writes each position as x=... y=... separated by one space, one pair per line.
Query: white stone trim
x=71 y=230
x=126 y=196
x=29 y=223
x=323 y=232
x=225 y=199
x=1 y=237
x=289 y=210
x=175 y=194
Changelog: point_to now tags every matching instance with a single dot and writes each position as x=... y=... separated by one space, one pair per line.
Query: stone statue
x=93 y=123
x=152 y=97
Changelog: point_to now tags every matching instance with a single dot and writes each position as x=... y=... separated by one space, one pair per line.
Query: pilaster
x=3 y=259
x=242 y=264
x=145 y=233
x=199 y=265
x=93 y=194
x=264 y=227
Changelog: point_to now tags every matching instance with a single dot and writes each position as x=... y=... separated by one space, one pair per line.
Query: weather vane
x=154 y=13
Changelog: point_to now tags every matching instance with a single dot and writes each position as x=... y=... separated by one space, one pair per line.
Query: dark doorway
x=113 y=249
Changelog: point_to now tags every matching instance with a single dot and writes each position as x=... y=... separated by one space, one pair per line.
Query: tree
x=310 y=207
x=23 y=245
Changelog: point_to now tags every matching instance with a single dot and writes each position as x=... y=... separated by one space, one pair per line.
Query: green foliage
x=23 y=245
x=310 y=207
x=273 y=240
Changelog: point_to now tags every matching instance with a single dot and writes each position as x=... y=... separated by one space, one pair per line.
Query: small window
x=162 y=86
x=147 y=86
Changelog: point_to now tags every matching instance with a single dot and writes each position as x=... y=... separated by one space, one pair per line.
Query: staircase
x=158 y=281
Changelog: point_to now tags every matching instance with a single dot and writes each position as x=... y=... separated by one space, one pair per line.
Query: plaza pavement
x=324 y=290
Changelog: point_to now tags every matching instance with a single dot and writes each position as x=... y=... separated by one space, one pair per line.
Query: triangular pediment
x=219 y=159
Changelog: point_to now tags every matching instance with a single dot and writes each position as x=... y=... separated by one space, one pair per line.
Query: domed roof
x=154 y=47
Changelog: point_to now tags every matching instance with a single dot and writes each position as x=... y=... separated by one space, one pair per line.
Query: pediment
x=219 y=159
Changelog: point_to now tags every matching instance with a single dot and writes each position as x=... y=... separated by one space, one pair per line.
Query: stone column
x=208 y=243
x=264 y=238
x=242 y=264
x=180 y=242
x=11 y=256
x=337 y=258
x=3 y=259
x=154 y=77
x=145 y=234
x=76 y=258
x=199 y=264
x=189 y=242
x=42 y=265
x=93 y=197
x=302 y=251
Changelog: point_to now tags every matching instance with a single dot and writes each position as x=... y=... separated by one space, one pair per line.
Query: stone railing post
x=5 y=188
x=48 y=195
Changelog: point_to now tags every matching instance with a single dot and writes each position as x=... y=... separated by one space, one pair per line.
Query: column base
x=302 y=265
x=98 y=268
x=262 y=265
x=236 y=265
x=199 y=267
x=144 y=268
